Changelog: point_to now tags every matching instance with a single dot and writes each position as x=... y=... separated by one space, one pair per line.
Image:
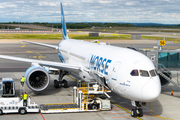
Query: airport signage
x=162 y=42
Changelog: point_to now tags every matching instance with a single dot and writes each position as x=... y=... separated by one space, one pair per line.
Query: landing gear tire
x=56 y=84
x=65 y=84
x=140 y=114
x=133 y=113
x=1 y=112
x=22 y=111
x=93 y=106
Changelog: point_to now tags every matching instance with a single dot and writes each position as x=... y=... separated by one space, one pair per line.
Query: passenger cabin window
x=134 y=73
x=144 y=73
x=152 y=73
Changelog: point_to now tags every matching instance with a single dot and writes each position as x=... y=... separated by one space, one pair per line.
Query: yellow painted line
x=148 y=48
x=22 y=44
x=71 y=78
x=29 y=51
x=124 y=109
x=155 y=115
x=40 y=56
x=38 y=53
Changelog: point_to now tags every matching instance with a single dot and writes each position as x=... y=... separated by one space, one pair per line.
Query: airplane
x=124 y=71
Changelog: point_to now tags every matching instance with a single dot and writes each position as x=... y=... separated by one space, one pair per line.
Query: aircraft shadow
x=48 y=91
x=52 y=90
x=153 y=108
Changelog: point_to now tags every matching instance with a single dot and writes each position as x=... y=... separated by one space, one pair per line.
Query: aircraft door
x=1 y=89
x=115 y=70
x=13 y=89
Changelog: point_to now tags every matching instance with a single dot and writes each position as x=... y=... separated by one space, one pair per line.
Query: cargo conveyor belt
x=58 y=106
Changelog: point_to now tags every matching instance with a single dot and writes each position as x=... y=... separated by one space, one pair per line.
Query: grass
x=81 y=37
x=59 y=36
x=152 y=38
x=104 y=37
x=30 y=36
x=160 y=38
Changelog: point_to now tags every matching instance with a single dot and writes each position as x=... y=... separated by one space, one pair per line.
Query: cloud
x=47 y=4
x=159 y=11
x=103 y=1
x=130 y=3
x=19 y=1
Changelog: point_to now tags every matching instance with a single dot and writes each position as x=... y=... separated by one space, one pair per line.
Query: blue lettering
x=99 y=63
x=102 y=71
x=106 y=66
x=91 y=64
x=96 y=60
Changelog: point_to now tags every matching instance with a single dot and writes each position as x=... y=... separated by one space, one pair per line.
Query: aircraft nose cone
x=151 y=91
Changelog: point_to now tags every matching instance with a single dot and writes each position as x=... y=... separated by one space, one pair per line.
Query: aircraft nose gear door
x=115 y=70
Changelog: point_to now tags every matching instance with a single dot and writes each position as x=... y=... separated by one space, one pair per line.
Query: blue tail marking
x=64 y=31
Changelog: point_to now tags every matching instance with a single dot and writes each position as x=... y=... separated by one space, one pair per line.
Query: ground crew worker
x=22 y=95
x=79 y=82
x=22 y=80
x=29 y=96
x=25 y=99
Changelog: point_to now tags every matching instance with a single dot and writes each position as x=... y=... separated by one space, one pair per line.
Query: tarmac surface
x=166 y=107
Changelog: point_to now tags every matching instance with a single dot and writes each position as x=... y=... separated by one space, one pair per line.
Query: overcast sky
x=130 y=11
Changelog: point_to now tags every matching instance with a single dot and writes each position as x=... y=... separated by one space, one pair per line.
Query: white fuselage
x=116 y=65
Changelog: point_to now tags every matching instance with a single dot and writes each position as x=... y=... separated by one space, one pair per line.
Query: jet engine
x=37 y=78
x=165 y=82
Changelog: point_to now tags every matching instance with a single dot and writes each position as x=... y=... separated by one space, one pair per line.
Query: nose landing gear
x=137 y=111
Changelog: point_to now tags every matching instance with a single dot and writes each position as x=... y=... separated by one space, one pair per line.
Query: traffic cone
x=172 y=92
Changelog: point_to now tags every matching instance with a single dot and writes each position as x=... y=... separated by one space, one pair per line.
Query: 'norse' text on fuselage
x=99 y=64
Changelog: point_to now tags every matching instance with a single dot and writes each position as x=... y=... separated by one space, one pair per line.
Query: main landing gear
x=136 y=111
x=61 y=82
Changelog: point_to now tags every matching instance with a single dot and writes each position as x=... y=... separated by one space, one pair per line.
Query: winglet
x=64 y=31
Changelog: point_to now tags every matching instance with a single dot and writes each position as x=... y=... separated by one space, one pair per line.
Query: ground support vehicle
x=15 y=105
x=85 y=99
x=7 y=87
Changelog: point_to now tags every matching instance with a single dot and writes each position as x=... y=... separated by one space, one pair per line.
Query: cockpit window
x=144 y=73
x=134 y=73
x=152 y=73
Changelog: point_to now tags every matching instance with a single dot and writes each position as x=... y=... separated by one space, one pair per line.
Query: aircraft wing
x=58 y=65
x=42 y=44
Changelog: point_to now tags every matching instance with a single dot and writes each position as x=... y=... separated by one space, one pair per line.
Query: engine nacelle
x=165 y=82
x=37 y=78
